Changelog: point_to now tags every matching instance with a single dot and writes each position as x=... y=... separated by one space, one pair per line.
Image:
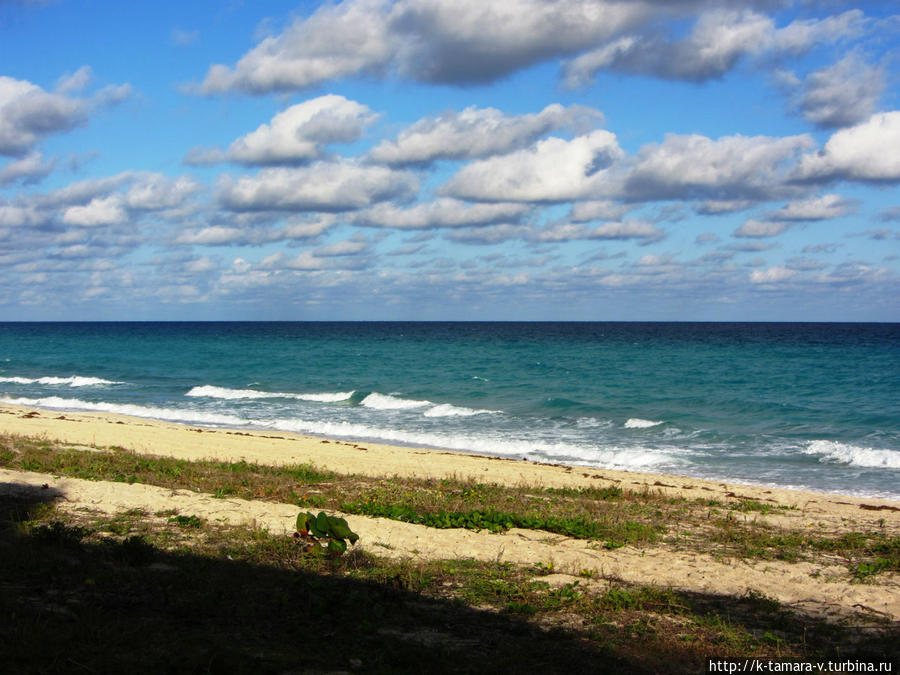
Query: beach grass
x=611 y=516
x=171 y=592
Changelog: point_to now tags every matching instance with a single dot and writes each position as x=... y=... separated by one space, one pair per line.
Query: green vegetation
x=239 y=599
x=83 y=591
x=612 y=516
x=332 y=530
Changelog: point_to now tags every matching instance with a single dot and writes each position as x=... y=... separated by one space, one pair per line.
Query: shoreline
x=191 y=442
x=823 y=586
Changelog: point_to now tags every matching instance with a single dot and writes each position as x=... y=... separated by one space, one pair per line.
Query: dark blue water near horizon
x=788 y=404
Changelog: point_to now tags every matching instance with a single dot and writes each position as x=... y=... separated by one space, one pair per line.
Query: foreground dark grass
x=167 y=592
x=611 y=516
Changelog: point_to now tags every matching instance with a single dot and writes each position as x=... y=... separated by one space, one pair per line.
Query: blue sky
x=438 y=159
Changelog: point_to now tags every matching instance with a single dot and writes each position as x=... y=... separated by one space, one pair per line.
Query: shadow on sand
x=126 y=607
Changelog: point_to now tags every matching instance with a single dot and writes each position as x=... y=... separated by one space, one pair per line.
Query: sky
x=588 y=160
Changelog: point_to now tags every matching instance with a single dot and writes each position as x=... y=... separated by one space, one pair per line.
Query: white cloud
x=28 y=114
x=825 y=207
x=28 y=169
x=214 y=235
x=865 y=152
x=443 y=212
x=583 y=212
x=75 y=82
x=308 y=229
x=343 y=248
x=228 y=235
x=99 y=211
x=18 y=216
x=718 y=206
x=771 y=275
x=459 y=42
x=295 y=135
x=469 y=41
x=729 y=168
x=200 y=265
x=153 y=191
x=552 y=170
x=322 y=186
x=717 y=41
x=340 y=256
x=336 y=40
x=843 y=94
x=632 y=229
x=479 y=132
x=489 y=234
x=753 y=229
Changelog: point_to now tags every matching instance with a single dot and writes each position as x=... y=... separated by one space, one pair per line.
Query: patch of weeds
x=864 y=571
x=60 y=533
x=187 y=521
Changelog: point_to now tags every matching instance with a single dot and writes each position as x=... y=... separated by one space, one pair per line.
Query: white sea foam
x=854 y=455
x=171 y=414
x=447 y=410
x=73 y=381
x=212 y=391
x=638 y=423
x=547 y=451
x=328 y=397
x=378 y=401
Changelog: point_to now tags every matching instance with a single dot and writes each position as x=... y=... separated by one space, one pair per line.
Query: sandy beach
x=823 y=590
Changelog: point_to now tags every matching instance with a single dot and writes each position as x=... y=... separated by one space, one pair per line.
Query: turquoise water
x=802 y=405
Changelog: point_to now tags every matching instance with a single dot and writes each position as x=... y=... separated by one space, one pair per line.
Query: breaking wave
x=638 y=423
x=72 y=381
x=854 y=455
x=169 y=414
x=212 y=391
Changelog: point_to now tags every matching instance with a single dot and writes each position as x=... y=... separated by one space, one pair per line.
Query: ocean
x=783 y=404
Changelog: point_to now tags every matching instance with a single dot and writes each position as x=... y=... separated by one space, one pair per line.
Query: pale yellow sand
x=825 y=590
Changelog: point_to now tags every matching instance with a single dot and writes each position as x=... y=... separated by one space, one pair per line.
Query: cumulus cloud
x=843 y=94
x=467 y=42
x=552 y=170
x=460 y=42
x=715 y=207
x=632 y=229
x=470 y=41
x=489 y=234
x=28 y=114
x=296 y=229
x=603 y=209
x=99 y=211
x=296 y=135
x=771 y=275
x=323 y=186
x=444 y=212
x=335 y=41
x=153 y=191
x=29 y=169
x=753 y=229
x=717 y=41
x=479 y=132
x=858 y=153
x=729 y=168
x=824 y=207
x=318 y=260
x=13 y=215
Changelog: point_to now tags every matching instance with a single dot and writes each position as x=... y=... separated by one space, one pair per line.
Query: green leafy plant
x=324 y=532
